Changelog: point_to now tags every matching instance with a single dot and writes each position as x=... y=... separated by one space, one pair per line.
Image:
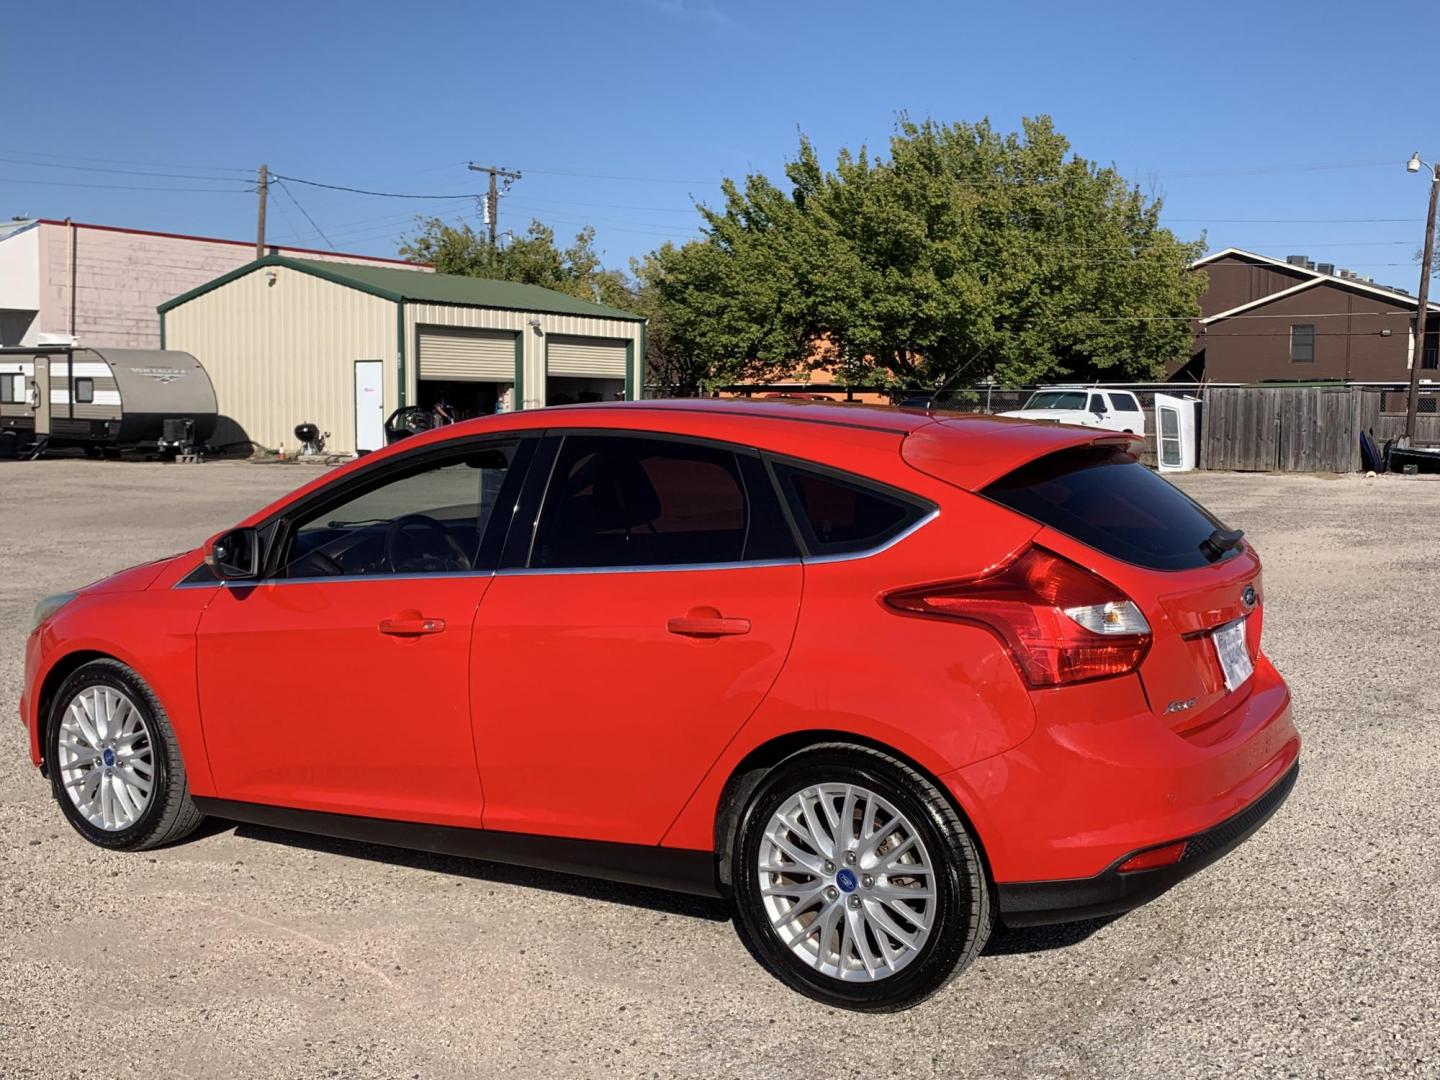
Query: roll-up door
x=602 y=357
x=479 y=355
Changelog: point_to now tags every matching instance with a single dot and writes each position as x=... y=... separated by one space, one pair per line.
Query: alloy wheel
x=106 y=758
x=847 y=882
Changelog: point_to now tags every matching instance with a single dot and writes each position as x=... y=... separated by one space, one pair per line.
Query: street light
x=1422 y=315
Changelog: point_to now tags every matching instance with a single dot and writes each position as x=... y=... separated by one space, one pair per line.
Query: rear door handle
x=407 y=627
x=690 y=626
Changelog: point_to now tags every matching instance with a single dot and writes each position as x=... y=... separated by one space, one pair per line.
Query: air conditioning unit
x=1325 y=268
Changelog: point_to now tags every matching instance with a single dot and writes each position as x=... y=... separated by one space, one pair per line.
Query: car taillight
x=1062 y=623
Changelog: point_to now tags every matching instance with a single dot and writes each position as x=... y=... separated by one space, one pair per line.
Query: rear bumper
x=1036 y=903
x=1100 y=778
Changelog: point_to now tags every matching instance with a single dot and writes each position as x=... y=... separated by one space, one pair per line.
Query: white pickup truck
x=1087 y=406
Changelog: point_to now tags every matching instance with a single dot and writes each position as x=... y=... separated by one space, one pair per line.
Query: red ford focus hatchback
x=880 y=678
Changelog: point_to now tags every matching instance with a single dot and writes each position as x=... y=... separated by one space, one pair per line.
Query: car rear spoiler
x=972 y=451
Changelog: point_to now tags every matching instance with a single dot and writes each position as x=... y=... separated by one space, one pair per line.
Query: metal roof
x=394 y=283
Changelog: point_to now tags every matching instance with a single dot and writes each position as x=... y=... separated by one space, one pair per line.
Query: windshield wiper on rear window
x=1219 y=542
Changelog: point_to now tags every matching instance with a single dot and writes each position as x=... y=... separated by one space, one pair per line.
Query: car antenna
x=945 y=384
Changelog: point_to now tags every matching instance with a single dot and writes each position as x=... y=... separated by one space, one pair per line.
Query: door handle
x=692 y=626
x=408 y=627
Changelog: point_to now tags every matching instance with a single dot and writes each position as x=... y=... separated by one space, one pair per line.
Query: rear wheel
x=856 y=882
x=115 y=767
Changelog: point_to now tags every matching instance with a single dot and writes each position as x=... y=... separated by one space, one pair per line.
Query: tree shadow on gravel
x=614 y=892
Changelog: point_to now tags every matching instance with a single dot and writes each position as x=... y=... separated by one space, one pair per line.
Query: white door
x=1174 y=433
x=369 y=405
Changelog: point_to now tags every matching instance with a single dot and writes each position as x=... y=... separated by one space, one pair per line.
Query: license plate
x=1234 y=653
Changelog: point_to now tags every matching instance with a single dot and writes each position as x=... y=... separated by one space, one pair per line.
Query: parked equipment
x=311 y=439
x=103 y=400
x=1176 y=427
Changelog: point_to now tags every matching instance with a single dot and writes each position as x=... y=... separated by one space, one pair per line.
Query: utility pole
x=263 y=188
x=492 y=198
x=1412 y=406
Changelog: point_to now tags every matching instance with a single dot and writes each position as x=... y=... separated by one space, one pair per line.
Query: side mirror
x=236 y=555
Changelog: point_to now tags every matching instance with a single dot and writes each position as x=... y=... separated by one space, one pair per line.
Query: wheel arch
x=55 y=678
x=747 y=774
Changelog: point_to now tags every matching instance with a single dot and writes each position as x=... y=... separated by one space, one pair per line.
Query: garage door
x=480 y=355
x=603 y=357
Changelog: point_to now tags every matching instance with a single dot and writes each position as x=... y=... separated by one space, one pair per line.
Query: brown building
x=1264 y=320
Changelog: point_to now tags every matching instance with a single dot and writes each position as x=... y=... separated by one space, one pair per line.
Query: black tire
x=170 y=814
x=964 y=911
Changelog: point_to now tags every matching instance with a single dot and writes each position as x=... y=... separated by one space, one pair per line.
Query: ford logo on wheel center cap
x=846 y=880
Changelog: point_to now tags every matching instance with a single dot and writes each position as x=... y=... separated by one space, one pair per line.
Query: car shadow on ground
x=1003 y=942
x=1011 y=941
x=614 y=892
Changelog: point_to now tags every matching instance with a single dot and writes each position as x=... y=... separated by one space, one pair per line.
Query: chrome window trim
x=662 y=568
x=249 y=584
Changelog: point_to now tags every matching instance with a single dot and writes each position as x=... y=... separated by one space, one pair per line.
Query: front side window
x=429 y=519
x=1097 y=404
x=838 y=515
x=1302 y=343
x=84 y=391
x=616 y=501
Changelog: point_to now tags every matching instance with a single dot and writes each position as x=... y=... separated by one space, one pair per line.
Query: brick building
x=101 y=284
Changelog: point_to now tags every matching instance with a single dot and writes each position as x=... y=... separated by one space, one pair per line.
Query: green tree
x=711 y=318
x=533 y=259
x=966 y=253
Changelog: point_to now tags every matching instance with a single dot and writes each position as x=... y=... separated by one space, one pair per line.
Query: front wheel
x=856 y=882
x=114 y=764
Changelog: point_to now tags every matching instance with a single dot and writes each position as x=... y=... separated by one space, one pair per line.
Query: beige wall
x=533 y=342
x=121 y=276
x=283 y=354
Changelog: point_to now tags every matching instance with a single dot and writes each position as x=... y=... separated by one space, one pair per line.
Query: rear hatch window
x=1104 y=498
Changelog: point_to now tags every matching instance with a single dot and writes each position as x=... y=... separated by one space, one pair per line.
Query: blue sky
x=1269 y=126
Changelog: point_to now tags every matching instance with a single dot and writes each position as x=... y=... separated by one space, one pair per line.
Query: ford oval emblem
x=1248 y=597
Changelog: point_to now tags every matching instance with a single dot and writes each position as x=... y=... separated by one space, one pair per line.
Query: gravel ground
x=1311 y=951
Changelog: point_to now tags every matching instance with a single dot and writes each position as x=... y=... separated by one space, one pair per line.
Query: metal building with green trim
x=340 y=345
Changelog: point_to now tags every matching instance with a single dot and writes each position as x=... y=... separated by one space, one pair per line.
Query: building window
x=1302 y=343
x=84 y=391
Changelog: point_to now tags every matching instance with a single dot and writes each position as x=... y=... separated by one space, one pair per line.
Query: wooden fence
x=1287 y=429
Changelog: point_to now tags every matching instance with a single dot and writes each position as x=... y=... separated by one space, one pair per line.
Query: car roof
x=856 y=415
x=964 y=449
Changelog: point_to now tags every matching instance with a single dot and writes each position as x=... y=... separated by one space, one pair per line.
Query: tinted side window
x=1097 y=403
x=837 y=516
x=429 y=519
x=1108 y=500
x=625 y=501
x=1125 y=402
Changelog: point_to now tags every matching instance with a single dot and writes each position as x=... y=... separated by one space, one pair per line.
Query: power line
x=118 y=161
x=1295 y=221
x=626 y=179
x=1263 y=170
x=121 y=187
x=286 y=188
x=117 y=172
x=377 y=194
